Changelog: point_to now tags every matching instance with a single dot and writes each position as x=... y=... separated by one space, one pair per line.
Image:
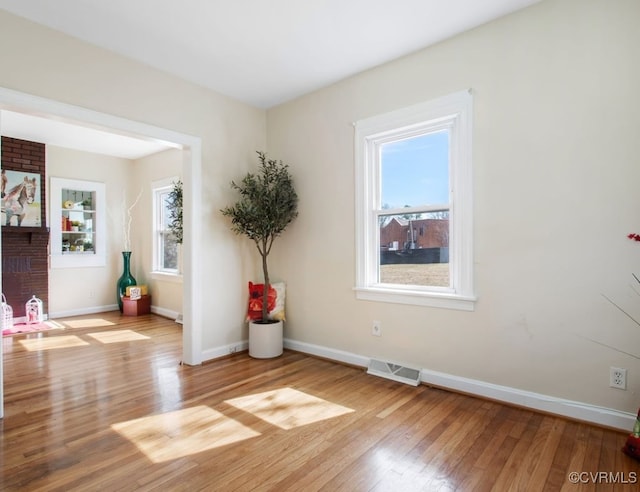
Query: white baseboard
x=327 y=353
x=165 y=313
x=214 y=353
x=83 y=311
x=586 y=412
x=607 y=417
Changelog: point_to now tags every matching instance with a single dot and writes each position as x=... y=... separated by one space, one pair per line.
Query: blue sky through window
x=416 y=171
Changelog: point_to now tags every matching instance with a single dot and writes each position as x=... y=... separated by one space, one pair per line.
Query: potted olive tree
x=268 y=203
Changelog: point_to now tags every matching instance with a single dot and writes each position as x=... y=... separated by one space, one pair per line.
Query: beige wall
x=556 y=179
x=76 y=289
x=49 y=64
x=94 y=288
x=555 y=183
x=166 y=291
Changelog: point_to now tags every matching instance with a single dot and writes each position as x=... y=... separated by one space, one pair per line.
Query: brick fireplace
x=25 y=248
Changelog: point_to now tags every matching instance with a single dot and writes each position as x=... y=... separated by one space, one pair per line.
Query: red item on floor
x=632 y=447
x=136 y=307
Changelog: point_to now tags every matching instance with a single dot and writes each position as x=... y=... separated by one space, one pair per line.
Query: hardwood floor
x=110 y=408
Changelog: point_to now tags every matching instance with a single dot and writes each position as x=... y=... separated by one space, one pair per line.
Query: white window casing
x=68 y=259
x=160 y=189
x=454 y=114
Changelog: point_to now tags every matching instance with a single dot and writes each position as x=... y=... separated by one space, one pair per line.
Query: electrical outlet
x=618 y=378
x=376 y=328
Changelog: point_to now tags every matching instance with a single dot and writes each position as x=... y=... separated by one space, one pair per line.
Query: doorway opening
x=191 y=170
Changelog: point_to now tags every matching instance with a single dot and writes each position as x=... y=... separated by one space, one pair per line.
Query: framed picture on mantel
x=21 y=202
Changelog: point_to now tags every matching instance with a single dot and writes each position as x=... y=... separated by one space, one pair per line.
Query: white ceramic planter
x=265 y=340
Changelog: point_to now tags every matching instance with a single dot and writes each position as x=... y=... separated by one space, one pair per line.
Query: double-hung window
x=165 y=248
x=414 y=205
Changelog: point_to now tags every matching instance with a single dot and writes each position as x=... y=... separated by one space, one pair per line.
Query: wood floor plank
x=560 y=463
x=540 y=455
x=108 y=406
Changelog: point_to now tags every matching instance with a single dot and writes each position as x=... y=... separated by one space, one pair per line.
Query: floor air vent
x=396 y=372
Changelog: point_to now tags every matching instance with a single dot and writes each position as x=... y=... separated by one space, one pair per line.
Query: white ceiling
x=63 y=134
x=263 y=52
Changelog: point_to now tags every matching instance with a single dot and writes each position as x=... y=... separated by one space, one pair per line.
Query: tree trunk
x=265 y=293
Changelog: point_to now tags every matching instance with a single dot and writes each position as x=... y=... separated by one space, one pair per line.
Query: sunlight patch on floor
x=50 y=343
x=88 y=323
x=173 y=435
x=53 y=324
x=288 y=408
x=388 y=469
x=117 y=336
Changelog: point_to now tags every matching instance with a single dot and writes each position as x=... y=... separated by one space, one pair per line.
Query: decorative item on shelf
x=68 y=204
x=144 y=290
x=136 y=291
x=34 y=311
x=126 y=279
x=6 y=312
x=267 y=205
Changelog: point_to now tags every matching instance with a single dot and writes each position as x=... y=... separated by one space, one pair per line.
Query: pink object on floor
x=32 y=328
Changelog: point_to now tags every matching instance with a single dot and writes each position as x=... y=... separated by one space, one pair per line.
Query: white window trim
x=454 y=109
x=175 y=278
x=158 y=273
x=99 y=257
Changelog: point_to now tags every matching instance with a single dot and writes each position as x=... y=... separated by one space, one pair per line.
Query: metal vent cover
x=396 y=372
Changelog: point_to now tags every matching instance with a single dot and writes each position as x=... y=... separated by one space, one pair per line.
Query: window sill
x=78 y=259
x=167 y=277
x=416 y=298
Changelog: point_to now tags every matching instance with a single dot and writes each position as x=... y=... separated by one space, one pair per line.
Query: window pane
x=164 y=221
x=414 y=249
x=169 y=252
x=165 y=247
x=415 y=171
x=411 y=163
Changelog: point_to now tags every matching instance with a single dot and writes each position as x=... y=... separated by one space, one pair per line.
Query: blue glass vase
x=126 y=280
